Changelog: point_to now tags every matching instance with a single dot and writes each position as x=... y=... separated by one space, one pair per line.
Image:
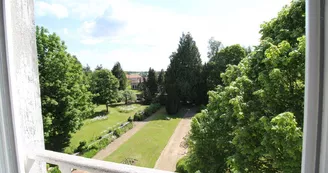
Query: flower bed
x=126 y=108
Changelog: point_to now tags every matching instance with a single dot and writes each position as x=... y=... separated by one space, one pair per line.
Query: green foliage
x=65 y=98
x=152 y=82
x=253 y=119
x=118 y=72
x=288 y=26
x=82 y=146
x=141 y=115
x=54 y=170
x=183 y=75
x=218 y=64
x=117 y=132
x=104 y=86
x=148 y=143
x=93 y=149
x=138 y=116
x=161 y=82
x=146 y=95
x=128 y=96
x=181 y=166
x=91 y=128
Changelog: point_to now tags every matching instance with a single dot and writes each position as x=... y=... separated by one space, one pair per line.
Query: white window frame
x=20 y=108
x=314 y=155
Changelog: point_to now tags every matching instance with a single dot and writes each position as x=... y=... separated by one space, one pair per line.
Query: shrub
x=82 y=146
x=95 y=148
x=110 y=130
x=117 y=132
x=138 y=116
x=130 y=119
x=54 y=170
x=90 y=153
x=181 y=166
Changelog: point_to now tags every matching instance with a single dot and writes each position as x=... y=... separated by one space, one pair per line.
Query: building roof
x=133 y=76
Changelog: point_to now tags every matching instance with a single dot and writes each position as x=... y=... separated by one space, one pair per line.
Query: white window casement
x=315 y=131
x=21 y=128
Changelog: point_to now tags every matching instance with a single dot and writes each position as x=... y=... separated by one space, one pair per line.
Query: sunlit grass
x=92 y=129
x=147 y=144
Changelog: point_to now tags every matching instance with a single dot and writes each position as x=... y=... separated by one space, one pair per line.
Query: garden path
x=176 y=147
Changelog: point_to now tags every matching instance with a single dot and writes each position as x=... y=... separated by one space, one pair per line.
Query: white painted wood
x=8 y=161
x=314 y=155
x=324 y=134
x=22 y=81
x=90 y=165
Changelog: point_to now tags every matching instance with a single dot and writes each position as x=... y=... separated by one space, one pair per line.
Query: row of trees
x=69 y=91
x=253 y=119
x=153 y=86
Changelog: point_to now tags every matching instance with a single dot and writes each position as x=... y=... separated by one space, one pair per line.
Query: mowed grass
x=91 y=130
x=147 y=144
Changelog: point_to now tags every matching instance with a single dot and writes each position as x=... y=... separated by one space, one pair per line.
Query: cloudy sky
x=143 y=33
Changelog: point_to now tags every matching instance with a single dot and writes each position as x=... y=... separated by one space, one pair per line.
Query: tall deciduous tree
x=65 y=98
x=104 y=86
x=218 y=63
x=118 y=72
x=183 y=74
x=253 y=121
x=128 y=95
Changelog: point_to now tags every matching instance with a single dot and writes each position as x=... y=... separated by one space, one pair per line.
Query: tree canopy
x=104 y=86
x=65 y=98
x=182 y=76
x=127 y=96
x=118 y=72
x=152 y=82
x=253 y=120
x=218 y=63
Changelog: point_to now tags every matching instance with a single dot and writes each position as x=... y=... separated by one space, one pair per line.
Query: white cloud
x=44 y=8
x=85 y=9
x=65 y=31
x=140 y=36
x=91 y=41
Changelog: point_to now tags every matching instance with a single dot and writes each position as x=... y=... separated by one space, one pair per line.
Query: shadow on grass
x=161 y=114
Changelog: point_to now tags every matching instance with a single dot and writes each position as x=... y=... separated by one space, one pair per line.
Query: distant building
x=134 y=79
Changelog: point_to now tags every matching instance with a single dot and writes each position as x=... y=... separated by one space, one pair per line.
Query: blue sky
x=142 y=34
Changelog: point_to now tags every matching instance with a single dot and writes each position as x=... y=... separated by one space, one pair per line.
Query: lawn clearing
x=144 y=148
x=92 y=129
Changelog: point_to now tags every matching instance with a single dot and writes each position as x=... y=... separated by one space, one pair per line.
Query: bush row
x=141 y=115
x=88 y=151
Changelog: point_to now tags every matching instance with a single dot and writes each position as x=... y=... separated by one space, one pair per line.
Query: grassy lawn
x=137 y=91
x=92 y=129
x=147 y=144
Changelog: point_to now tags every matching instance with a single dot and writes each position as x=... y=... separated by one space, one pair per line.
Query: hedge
x=141 y=115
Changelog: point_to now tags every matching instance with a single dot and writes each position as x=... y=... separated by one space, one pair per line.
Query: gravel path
x=174 y=150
